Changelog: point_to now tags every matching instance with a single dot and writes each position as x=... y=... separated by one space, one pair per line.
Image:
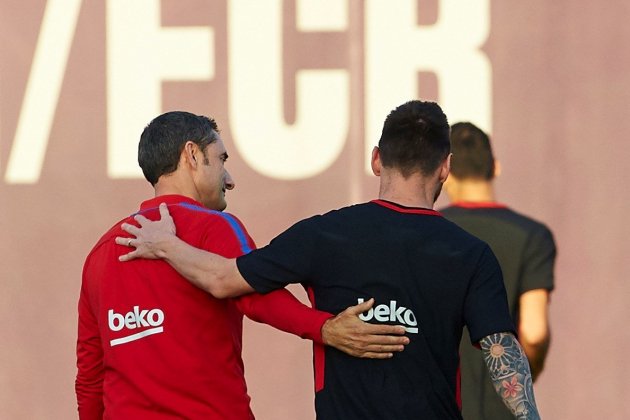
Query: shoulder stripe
x=236 y=227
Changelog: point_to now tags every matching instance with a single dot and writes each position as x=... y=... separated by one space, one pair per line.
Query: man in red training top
x=153 y=346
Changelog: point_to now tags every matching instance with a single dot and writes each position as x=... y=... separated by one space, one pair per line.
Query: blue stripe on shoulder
x=236 y=227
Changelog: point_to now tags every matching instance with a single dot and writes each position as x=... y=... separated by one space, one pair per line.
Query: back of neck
x=409 y=192
x=471 y=191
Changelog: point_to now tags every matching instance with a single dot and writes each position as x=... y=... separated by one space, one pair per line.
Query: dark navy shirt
x=424 y=272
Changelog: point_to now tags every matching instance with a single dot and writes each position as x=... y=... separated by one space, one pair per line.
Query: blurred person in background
x=526 y=252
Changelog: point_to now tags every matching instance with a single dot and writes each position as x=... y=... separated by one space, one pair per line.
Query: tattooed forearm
x=509 y=371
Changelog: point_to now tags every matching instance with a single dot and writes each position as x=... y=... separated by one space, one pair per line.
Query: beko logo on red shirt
x=392 y=313
x=132 y=320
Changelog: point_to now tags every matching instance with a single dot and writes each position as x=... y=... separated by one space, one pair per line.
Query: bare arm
x=510 y=374
x=220 y=277
x=213 y=273
x=534 y=333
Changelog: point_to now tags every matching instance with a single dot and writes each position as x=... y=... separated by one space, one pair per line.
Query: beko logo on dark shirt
x=137 y=318
x=391 y=313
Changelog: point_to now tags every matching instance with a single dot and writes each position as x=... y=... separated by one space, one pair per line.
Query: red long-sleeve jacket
x=152 y=346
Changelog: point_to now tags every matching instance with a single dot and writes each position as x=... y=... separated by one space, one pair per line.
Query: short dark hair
x=415 y=138
x=163 y=140
x=472 y=152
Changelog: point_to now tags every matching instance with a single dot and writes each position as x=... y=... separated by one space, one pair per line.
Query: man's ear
x=190 y=154
x=497 y=168
x=445 y=168
x=376 y=161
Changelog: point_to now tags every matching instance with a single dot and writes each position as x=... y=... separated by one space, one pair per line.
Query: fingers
x=380 y=348
x=129 y=228
x=142 y=221
x=386 y=340
x=371 y=355
x=361 y=307
x=381 y=344
x=164 y=213
x=120 y=240
x=374 y=351
x=348 y=333
x=377 y=352
x=382 y=329
x=129 y=256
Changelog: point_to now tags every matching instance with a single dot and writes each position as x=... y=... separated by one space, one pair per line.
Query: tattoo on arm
x=510 y=374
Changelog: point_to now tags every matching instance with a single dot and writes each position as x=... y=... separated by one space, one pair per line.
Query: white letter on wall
x=397 y=49
x=140 y=55
x=42 y=91
x=263 y=139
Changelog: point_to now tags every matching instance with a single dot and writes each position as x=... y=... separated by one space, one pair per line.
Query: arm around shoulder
x=213 y=273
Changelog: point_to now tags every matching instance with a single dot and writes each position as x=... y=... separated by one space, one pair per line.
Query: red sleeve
x=283 y=311
x=89 y=380
x=280 y=309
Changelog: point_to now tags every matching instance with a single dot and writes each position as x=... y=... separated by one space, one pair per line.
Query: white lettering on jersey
x=135 y=319
x=392 y=313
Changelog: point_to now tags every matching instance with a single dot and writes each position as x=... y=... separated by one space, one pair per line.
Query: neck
x=470 y=191
x=414 y=191
x=174 y=184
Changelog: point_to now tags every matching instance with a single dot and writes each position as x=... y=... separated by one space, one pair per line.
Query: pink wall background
x=561 y=92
